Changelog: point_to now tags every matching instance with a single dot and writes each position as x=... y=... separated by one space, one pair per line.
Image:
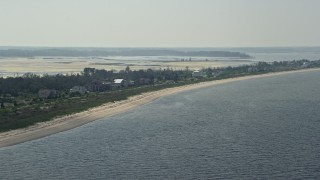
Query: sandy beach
x=63 y=65
x=75 y=120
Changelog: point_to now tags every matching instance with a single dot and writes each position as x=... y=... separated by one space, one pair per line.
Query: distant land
x=85 y=52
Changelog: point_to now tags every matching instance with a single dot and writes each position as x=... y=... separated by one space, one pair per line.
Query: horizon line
x=137 y=47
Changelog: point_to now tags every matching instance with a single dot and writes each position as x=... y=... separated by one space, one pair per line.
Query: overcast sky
x=160 y=23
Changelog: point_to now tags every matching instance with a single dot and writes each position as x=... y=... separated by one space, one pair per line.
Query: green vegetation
x=30 y=99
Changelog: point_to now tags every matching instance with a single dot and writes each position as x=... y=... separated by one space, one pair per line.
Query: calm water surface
x=255 y=129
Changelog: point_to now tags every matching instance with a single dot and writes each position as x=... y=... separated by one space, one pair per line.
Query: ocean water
x=265 y=54
x=265 y=128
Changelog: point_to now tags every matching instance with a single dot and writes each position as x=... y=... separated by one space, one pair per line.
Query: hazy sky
x=160 y=23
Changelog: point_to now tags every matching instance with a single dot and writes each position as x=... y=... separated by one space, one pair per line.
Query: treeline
x=32 y=83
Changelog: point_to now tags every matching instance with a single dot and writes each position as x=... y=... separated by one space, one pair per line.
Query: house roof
x=118 y=81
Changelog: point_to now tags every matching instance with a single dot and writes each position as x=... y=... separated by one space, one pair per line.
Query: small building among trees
x=47 y=93
x=99 y=86
x=120 y=83
x=78 y=89
x=198 y=74
x=144 y=81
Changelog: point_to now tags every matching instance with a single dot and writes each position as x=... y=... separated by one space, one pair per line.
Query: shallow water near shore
x=257 y=128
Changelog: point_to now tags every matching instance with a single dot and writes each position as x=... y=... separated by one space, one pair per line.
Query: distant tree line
x=73 y=52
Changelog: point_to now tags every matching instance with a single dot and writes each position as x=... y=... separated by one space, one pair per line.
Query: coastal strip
x=68 y=122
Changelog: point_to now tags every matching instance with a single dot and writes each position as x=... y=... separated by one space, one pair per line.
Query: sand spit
x=109 y=109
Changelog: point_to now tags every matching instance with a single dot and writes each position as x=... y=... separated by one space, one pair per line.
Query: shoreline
x=68 y=122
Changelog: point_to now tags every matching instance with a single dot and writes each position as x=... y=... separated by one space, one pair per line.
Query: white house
x=120 y=82
x=198 y=74
x=78 y=89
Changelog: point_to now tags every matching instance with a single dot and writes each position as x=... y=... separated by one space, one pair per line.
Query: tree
x=88 y=71
x=128 y=69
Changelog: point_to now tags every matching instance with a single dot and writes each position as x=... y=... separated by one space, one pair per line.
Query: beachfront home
x=252 y=69
x=199 y=74
x=306 y=65
x=47 y=93
x=144 y=81
x=78 y=89
x=120 y=83
x=99 y=86
x=131 y=83
x=217 y=74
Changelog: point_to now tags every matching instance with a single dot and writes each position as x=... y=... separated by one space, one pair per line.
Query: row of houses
x=202 y=74
x=94 y=87
x=103 y=86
